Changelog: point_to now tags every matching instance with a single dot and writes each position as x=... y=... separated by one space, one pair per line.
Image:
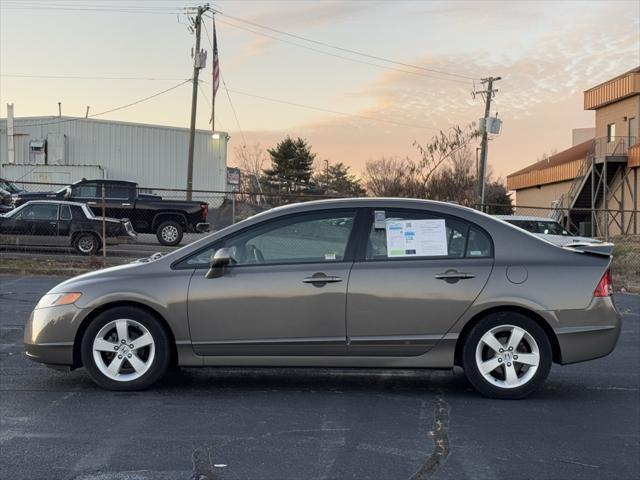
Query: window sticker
x=379 y=220
x=416 y=238
x=330 y=256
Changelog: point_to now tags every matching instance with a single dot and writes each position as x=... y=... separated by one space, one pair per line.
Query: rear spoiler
x=604 y=249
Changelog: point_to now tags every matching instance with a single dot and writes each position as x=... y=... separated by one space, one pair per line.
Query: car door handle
x=126 y=204
x=453 y=275
x=322 y=278
x=91 y=203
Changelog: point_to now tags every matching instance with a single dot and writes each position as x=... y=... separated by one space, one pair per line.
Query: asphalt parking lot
x=313 y=424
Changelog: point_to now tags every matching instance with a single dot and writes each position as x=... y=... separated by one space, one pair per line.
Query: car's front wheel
x=125 y=348
x=507 y=355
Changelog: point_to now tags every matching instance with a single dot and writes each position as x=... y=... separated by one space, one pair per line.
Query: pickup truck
x=167 y=219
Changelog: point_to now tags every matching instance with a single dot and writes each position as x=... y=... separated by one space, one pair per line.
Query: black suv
x=45 y=222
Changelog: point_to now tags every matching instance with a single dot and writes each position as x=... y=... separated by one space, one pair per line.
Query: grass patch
x=47 y=266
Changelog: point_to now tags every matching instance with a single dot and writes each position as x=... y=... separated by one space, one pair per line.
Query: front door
x=405 y=296
x=284 y=293
x=37 y=224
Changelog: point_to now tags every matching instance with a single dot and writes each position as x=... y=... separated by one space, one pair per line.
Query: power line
x=122 y=107
x=79 y=77
x=320 y=109
x=117 y=8
x=235 y=114
x=355 y=60
x=343 y=49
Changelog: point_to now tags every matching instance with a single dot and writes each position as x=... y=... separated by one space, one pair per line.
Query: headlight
x=57 y=299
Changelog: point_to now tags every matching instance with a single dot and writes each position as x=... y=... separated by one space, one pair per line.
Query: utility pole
x=199 y=60
x=326 y=173
x=482 y=171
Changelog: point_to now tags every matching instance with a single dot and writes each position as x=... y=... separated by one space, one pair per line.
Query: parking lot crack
x=203 y=464
x=440 y=437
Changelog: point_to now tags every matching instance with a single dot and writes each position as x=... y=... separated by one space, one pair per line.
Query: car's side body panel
x=556 y=285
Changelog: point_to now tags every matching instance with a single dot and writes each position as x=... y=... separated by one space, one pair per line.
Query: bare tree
x=442 y=148
x=387 y=177
x=251 y=159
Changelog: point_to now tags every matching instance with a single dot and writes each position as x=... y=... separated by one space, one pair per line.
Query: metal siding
x=153 y=156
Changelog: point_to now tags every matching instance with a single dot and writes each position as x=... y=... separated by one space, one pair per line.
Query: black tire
x=86 y=243
x=158 y=365
x=169 y=233
x=493 y=389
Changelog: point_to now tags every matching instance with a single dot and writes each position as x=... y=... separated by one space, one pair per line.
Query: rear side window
x=65 y=212
x=479 y=244
x=77 y=212
x=116 y=192
x=418 y=234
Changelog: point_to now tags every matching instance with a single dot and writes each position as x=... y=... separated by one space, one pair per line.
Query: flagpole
x=213 y=63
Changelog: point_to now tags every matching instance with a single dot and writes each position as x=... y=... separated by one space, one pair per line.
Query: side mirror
x=219 y=262
x=67 y=193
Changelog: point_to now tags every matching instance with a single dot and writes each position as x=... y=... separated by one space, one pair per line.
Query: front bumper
x=590 y=333
x=49 y=334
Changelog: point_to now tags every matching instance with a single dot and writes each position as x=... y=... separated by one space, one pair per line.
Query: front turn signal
x=58 y=299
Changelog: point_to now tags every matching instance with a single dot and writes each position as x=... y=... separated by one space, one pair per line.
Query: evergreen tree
x=291 y=166
x=336 y=180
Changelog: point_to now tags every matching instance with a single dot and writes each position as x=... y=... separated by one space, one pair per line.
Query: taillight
x=605 y=286
x=205 y=210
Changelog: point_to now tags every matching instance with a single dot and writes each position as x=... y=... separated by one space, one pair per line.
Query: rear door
x=402 y=298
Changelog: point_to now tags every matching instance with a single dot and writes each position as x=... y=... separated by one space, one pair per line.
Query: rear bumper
x=590 y=333
x=201 y=227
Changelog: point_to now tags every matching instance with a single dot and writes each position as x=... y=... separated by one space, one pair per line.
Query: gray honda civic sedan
x=391 y=283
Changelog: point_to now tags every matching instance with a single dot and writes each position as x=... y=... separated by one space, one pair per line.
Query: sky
x=362 y=107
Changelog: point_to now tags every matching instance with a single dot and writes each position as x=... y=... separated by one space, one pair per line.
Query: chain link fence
x=164 y=220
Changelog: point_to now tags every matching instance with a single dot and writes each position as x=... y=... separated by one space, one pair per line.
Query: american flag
x=216 y=65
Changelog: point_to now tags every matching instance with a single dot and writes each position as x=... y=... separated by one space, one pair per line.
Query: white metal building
x=67 y=149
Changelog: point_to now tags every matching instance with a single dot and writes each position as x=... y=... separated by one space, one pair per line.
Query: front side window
x=312 y=238
x=417 y=234
x=39 y=212
x=85 y=190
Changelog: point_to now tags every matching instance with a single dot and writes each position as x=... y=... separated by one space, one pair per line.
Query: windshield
x=9 y=186
x=547 y=227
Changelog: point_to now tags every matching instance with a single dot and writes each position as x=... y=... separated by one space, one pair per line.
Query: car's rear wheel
x=125 y=348
x=507 y=355
x=86 y=243
x=169 y=233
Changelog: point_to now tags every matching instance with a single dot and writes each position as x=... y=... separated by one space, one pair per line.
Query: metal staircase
x=583 y=209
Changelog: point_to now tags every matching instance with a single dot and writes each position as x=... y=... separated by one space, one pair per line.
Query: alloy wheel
x=169 y=233
x=123 y=350
x=86 y=244
x=507 y=356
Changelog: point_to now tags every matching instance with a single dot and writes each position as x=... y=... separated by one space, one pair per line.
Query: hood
x=111 y=273
x=36 y=195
